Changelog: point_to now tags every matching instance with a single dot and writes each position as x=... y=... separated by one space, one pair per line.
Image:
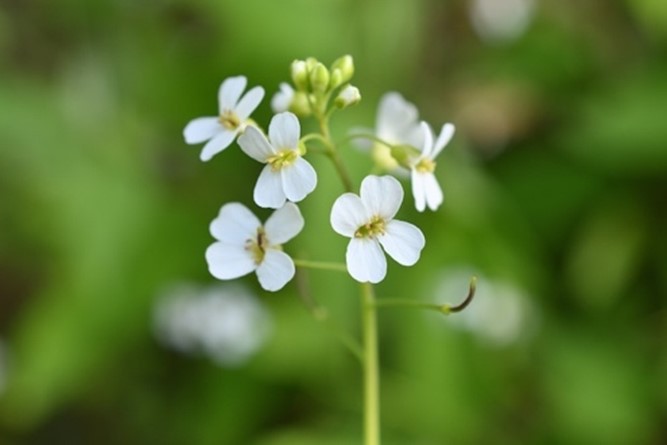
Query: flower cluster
x=400 y=142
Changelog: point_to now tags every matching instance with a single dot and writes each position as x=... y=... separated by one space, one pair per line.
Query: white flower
x=425 y=187
x=245 y=245
x=286 y=176
x=282 y=100
x=347 y=97
x=397 y=123
x=368 y=220
x=225 y=322
x=234 y=111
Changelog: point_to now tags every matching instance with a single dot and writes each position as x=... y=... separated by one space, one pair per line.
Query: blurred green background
x=556 y=197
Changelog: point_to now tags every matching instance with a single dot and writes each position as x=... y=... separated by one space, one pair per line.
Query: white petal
x=427 y=146
x=403 y=242
x=348 y=214
x=254 y=144
x=234 y=224
x=433 y=191
x=229 y=92
x=226 y=261
x=284 y=131
x=269 y=189
x=299 y=179
x=365 y=260
x=221 y=141
x=282 y=100
x=201 y=129
x=418 y=190
x=396 y=118
x=249 y=102
x=445 y=136
x=275 y=271
x=381 y=195
x=284 y=224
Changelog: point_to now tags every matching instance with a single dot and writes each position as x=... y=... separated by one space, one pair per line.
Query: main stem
x=370 y=361
x=371 y=366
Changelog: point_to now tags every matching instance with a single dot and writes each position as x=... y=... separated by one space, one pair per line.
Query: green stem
x=370 y=137
x=371 y=366
x=338 y=267
x=332 y=153
x=399 y=302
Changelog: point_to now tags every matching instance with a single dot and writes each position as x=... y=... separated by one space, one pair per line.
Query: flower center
x=229 y=120
x=282 y=159
x=376 y=226
x=257 y=246
x=425 y=166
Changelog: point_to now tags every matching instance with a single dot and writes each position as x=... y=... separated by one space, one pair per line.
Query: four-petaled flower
x=286 y=176
x=425 y=187
x=245 y=245
x=397 y=123
x=369 y=220
x=234 y=111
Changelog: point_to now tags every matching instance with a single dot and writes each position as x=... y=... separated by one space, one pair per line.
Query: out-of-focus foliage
x=556 y=195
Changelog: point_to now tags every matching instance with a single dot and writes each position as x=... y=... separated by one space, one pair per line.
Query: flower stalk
x=370 y=366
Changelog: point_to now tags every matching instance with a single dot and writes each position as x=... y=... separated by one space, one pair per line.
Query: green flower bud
x=347 y=97
x=299 y=72
x=336 y=79
x=300 y=105
x=310 y=63
x=345 y=65
x=319 y=78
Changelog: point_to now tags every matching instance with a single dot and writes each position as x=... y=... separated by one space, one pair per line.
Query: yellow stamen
x=229 y=120
x=376 y=226
x=282 y=159
x=425 y=166
x=257 y=246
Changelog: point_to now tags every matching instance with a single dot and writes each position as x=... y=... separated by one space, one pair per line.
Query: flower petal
x=381 y=195
x=418 y=190
x=446 y=134
x=249 y=102
x=269 y=189
x=229 y=92
x=396 y=118
x=365 y=260
x=403 y=242
x=427 y=145
x=254 y=144
x=226 y=261
x=299 y=179
x=348 y=214
x=284 y=131
x=432 y=191
x=221 y=141
x=201 y=129
x=235 y=224
x=275 y=271
x=282 y=100
x=284 y=224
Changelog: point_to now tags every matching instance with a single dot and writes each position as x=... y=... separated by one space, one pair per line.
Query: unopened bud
x=319 y=78
x=347 y=97
x=299 y=72
x=345 y=67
